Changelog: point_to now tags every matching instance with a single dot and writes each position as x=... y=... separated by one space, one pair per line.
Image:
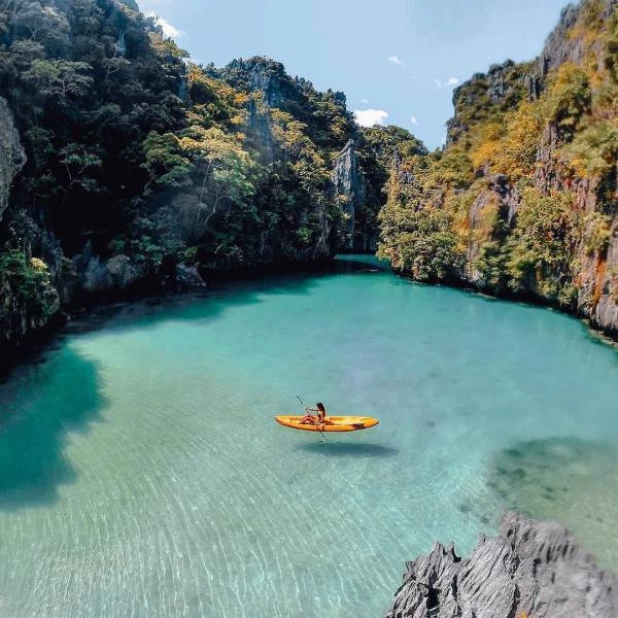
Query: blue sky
x=396 y=60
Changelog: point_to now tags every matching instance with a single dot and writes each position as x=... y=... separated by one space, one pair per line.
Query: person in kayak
x=310 y=419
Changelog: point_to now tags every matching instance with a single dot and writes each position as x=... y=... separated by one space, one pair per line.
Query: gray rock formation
x=18 y=317
x=12 y=155
x=588 y=284
x=18 y=320
x=269 y=83
x=116 y=274
x=559 y=47
x=532 y=568
x=497 y=85
x=189 y=277
x=349 y=185
x=505 y=198
x=123 y=272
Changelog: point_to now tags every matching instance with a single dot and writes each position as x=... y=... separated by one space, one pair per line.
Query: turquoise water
x=142 y=474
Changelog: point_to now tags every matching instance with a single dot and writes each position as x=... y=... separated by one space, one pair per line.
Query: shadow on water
x=59 y=391
x=37 y=410
x=348 y=449
x=210 y=304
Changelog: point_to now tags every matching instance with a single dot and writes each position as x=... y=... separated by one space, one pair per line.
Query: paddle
x=304 y=406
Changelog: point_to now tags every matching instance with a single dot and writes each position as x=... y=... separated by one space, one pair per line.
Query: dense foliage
x=87 y=84
x=111 y=113
x=134 y=151
x=523 y=198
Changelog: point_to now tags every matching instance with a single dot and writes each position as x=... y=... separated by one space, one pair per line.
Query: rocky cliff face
x=350 y=188
x=19 y=315
x=21 y=318
x=12 y=155
x=532 y=568
x=560 y=47
x=190 y=170
x=523 y=199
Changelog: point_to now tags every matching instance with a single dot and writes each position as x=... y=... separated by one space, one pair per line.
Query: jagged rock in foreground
x=536 y=568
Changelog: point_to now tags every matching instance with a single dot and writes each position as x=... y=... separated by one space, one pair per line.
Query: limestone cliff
x=534 y=569
x=350 y=189
x=522 y=202
x=12 y=155
x=20 y=313
x=140 y=170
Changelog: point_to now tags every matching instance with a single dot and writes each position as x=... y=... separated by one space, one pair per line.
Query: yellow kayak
x=330 y=424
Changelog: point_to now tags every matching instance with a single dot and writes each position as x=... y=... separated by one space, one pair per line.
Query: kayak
x=330 y=424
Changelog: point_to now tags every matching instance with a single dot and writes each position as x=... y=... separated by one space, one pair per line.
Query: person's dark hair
x=320 y=407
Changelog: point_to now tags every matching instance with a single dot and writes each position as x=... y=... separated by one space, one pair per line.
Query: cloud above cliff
x=414 y=120
x=370 y=117
x=170 y=31
x=396 y=60
x=451 y=82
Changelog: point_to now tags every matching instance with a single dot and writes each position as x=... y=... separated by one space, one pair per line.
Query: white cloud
x=365 y=101
x=414 y=120
x=451 y=82
x=370 y=117
x=396 y=60
x=170 y=31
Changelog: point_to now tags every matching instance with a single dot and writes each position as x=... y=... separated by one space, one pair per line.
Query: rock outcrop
x=527 y=182
x=498 y=196
x=12 y=155
x=19 y=316
x=532 y=568
x=19 y=319
x=560 y=47
x=349 y=185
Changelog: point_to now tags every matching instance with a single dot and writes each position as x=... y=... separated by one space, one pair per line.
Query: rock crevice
x=349 y=186
x=535 y=568
x=12 y=155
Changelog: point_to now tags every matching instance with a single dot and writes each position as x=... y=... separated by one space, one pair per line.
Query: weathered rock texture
x=581 y=274
x=532 y=568
x=12 y=155
x=559 y=47
x=18 y=320
x=349 y=184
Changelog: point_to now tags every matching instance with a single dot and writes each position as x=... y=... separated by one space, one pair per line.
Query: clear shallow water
x=142 y=474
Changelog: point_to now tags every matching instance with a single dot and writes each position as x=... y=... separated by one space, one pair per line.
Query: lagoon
x=142 y=473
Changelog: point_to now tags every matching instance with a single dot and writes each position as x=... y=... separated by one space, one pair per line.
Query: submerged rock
x=532 y=568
